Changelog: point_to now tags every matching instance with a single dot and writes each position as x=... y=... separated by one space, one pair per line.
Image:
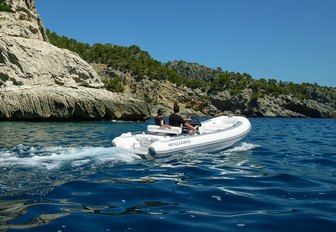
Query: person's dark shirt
x=176 y=120
x=158 y=120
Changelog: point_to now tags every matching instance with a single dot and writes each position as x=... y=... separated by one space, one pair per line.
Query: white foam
x=53 y=157
x=243 y=147
x=79 y=163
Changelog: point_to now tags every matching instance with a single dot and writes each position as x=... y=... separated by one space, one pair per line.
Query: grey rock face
x=24 y=21
x=31 y=62
x=59 y=103
x=288 y=106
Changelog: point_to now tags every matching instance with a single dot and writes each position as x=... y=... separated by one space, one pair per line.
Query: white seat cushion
x=157 y=129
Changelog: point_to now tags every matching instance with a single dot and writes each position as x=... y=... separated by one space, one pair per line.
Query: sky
x=287 y=40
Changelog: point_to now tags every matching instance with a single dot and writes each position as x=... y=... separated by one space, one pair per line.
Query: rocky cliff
x=274 y=99
x=39 y=81
x=202 y=101
x=59 y=103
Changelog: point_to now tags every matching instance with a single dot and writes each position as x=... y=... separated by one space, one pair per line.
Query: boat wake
x=56 y=157
x=50 y=158
x=238 y=149
x=25 y=167
x=241 y=147
x=30 y=169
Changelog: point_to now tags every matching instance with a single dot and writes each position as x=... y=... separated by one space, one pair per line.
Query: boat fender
x=151 y=151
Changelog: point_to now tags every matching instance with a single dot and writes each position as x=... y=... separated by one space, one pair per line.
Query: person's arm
x=190 y=127
x=164 y=125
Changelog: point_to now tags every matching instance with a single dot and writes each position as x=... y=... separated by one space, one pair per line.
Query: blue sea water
x=65 y=176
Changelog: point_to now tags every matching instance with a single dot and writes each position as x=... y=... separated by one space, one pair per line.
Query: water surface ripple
x=66 y=177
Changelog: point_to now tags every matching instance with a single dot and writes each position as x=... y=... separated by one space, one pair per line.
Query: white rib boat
x=214 y=135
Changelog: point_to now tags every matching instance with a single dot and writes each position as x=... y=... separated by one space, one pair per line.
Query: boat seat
x=157 y=129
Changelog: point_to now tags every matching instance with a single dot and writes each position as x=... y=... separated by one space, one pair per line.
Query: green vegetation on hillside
x=5 y=8
x=127 y=59
x=141 y=65
x=217 y=80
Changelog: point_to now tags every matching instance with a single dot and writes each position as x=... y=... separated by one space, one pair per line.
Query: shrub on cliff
x=5 y=8
x=114 y=85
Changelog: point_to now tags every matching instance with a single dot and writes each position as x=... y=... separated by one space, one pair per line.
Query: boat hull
x=200 y=144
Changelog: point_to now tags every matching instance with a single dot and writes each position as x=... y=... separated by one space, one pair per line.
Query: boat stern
x=125 y=141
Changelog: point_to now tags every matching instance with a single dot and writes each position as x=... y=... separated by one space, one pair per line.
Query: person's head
x=176 y=109
x=160 y=112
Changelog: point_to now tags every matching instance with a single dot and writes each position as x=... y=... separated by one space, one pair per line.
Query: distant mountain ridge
x=200 y=89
